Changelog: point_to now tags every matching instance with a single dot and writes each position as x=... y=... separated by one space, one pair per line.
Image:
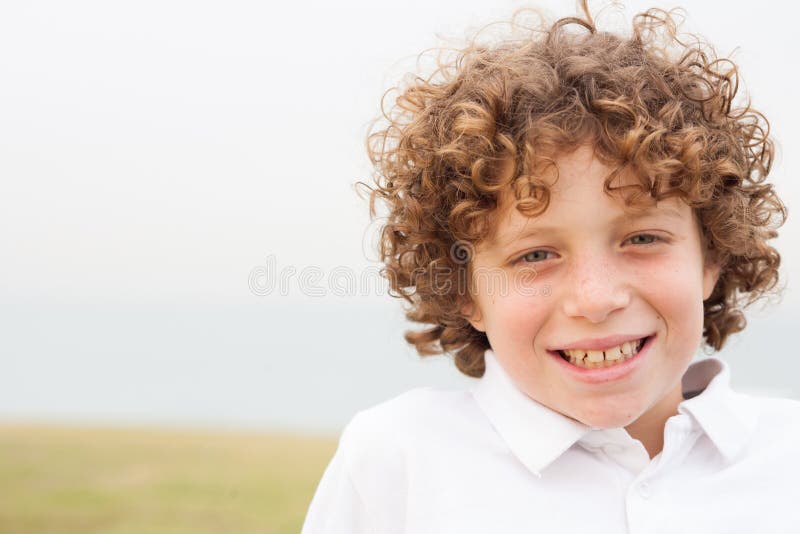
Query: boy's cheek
x=518 y=318
x=674 y=278
x=527 y=283
x=677 y=297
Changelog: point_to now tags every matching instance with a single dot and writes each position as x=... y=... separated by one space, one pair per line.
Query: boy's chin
x=612 y=418
x=607 y=422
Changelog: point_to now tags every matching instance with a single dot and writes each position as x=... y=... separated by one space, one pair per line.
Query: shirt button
x=644 y=490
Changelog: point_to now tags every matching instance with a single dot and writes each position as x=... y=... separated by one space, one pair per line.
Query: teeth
x=594 y=356
x=598 y=358
x=613 y=353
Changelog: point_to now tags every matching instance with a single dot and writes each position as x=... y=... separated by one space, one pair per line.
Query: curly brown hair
x=654 y=102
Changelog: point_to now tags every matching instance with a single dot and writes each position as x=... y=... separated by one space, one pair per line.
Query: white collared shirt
x=492 y=460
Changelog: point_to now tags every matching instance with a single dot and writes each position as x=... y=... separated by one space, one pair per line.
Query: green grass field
x=115 y=481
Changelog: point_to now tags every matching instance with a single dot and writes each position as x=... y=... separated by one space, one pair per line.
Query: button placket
x=639 y=507
x=645 y=489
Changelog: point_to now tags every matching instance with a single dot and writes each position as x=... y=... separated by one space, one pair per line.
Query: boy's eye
x=643 y=239
x=535 y=256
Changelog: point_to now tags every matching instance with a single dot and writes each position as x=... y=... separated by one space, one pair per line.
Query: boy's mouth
x=591 y=359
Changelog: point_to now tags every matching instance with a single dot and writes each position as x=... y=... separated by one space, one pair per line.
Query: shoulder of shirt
x=381 y=446
x=417 y=422
x=774 y=410
x=775 y=421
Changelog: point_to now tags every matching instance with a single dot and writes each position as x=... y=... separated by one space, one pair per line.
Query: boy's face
x=583 y=275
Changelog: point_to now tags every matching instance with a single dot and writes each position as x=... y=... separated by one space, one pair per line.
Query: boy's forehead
x=581 y=165
x=506 y=224
x=575 y=174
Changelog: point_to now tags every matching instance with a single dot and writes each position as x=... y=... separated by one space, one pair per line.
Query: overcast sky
x=152 y=154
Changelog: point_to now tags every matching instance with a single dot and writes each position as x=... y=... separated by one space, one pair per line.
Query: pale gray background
x=152 y=154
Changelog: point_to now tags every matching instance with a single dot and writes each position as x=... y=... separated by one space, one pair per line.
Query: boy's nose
x=594 y=290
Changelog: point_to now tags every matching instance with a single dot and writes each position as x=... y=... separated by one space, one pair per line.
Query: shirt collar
x=726 y=416
x=535 y=434
x=538 y=435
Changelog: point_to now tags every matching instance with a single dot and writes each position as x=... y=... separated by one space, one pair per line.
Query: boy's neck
x=649 y=428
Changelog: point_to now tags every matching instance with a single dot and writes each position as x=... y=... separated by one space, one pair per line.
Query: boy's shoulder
x=775 y=412
x=386 y=449
x=775 y=424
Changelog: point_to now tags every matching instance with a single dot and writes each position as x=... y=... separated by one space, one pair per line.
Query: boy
x=574 y=214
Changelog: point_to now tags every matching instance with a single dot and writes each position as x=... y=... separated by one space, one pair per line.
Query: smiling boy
x=607 y=206
x=626 y=278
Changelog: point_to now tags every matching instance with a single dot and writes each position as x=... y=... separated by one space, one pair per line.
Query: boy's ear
x=711 y=272
x=473 y=314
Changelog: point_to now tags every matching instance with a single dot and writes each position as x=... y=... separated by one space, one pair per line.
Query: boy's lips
x=600 y=343
x=600 y=375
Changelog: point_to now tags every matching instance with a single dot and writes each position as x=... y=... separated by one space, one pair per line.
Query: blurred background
x=190 y=309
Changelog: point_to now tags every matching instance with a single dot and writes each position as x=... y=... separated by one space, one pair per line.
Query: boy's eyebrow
x=672 y=213
x=628 y=216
